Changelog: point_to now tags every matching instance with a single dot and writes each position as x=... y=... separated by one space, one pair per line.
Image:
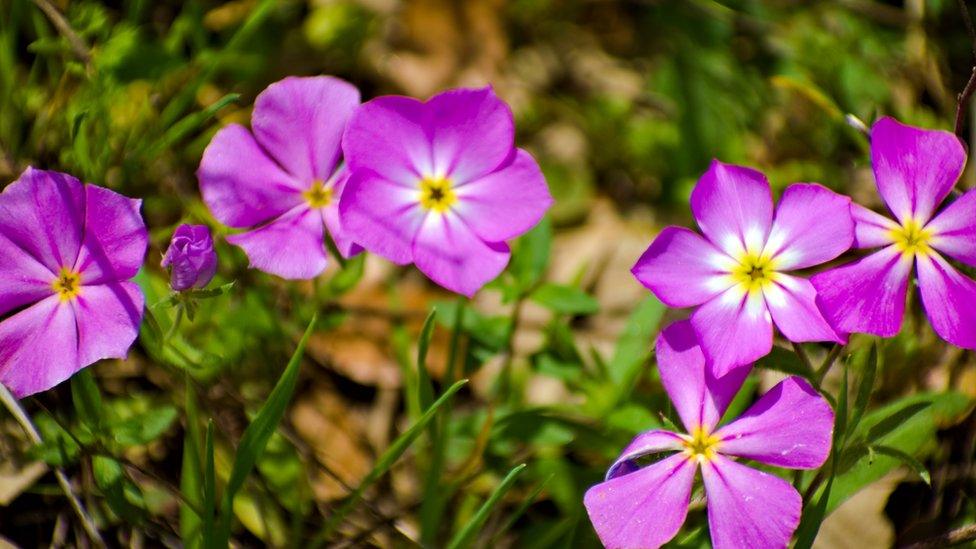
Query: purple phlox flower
x=914 y=170
x=67 y=254
x=192 y=257
x=440 y=184
x=790 y=426
x=282 y=180
x=736 y=271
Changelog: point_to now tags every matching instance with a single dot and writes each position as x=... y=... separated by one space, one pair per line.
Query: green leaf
x=110 y=479
x=191 y=123
x=144 y=428
x=256 y=434
x=425 y=387
x=865 y=387
x=785 y=361
x=565 y=299
x=462 y=538
x=914 y=464
x=531 y=255
x=634 y=346
x=813 y=516
x=347 y=277
x=87 y=400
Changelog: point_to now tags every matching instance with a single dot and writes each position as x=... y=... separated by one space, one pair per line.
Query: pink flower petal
x=871 y=229
x=507 y=202
x=448 y=252
x=949 y=298
x=38 y=347
x=299 y=121
x=866 y=296
x=699 y=398
x=388 y=136
x=914 y=168
x=790 y=426
x=290 y=246
x=22 y=279
x=333 y=222
x=954 y=229
x=812 y=226
x=792 y=302
x=645 y=508
x=748 y=508
x=683 y=269
x=733 y=207
x=644 y=444
x=241 y=185
x=43 y=212
x=734 y=329
x=381 y=216
x=115 y=237
x=108 y=319
x=473 y=133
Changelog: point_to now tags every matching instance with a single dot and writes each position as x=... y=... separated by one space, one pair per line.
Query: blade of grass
x=209 y=488
x=520 y=510
x=462 y=538
x=191 y=475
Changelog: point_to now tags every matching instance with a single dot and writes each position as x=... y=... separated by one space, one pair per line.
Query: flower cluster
x=739 y=273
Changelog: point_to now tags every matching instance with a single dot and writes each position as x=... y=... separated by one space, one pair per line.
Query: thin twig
x=962 y=100
x=952 y=537
x=78 y=45
x=21 y=416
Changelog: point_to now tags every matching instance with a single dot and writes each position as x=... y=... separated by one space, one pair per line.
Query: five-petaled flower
x=915 y=170
x=736 y=272
x=191 y=257
x=440 y=184
x=284 y=181
x=67 y=254
x=790 y=426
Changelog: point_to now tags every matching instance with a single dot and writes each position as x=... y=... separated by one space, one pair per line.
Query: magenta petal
x=733 y=207
x=645 y=508
x=43 y=212
x=380 y=216
x=388 y=136
x=108 y=319
x=333 y=222
x=954 y=229
x=22 y=279
x=290 y=246
x=506 y=202
x=644 y=444
x=812 y=225
x=699 y=398
x=683 y=269
x=914 y=168
x=38 y=347
x=866 y=296
x=790 y=426
x=299 y=121
x=734 y=329
x=871 y=229
x=448 y=252
x=748 y=508
x=241 y=185
x=473 y=133
x=793 y=303
x=115 y=237
x=949 y=298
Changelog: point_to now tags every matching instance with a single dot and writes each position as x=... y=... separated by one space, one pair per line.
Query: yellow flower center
x=436 y=194
x=700 y=445
x=754 y=271
x=319 y=196
x=912 y=238
x=67 y=285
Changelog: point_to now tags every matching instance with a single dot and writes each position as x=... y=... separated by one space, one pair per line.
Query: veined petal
x=241 y=185
x=871 y=229
x=645 y=508
x=644 y=444
x=389 y=136
x=473 y=133
x=698 y=396
x=108 y=319
x=954 y=229
x=792 y=302
x=23 y=279
x=115 y=239
x=380 y=216
x=733 y=207
x=43 y=212
x=38 y=347
x=507 y=202
x=789 y=426
x=683 y=269
x=949 y=298
x=447 y=251
x=748 y=508
x=914 y=168
x=813 y=225
x=290 y=246
x=866 y=296
x=734 y=329
x=299 y=121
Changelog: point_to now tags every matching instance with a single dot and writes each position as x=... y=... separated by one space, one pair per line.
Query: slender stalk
x=821 y=372
x=64 y=28
x=23 y=419
x=953 y=537
x=798 y=349
x=175 y=325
